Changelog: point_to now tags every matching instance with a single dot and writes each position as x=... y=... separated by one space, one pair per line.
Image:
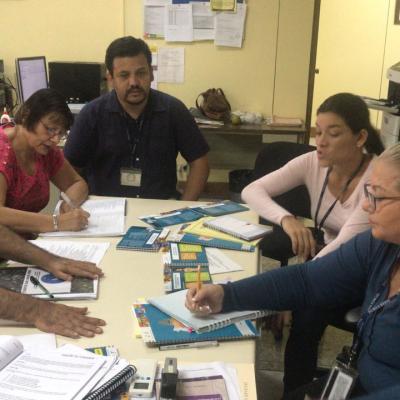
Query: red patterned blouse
x=27 y=192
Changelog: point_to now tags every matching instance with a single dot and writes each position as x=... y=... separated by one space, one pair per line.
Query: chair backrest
x=275 y=155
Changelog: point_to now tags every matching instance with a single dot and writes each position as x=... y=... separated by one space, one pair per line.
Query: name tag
x=340 y=382
x=131 y=177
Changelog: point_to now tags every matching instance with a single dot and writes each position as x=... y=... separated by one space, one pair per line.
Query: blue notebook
x=157 y=328
x=190 y=238
x=189 y=214
x=140 y=238
x=174 y=217
x=186 y=255
x=222 y=208
x=179 y=278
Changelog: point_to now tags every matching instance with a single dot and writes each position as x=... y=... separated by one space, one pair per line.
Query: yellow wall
x=357 y=42
x=80 y=30
x=72 y=30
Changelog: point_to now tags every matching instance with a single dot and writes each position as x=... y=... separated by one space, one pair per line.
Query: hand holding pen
x=72 y=217
x=205 y=299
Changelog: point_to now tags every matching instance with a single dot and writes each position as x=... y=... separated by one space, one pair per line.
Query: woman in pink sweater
x=334 y=175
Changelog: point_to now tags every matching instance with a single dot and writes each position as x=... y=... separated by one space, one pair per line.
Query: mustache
x=134 y=88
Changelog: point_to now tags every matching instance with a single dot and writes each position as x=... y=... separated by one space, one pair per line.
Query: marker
x=193 y=345
x=67 y=200
x=38 y=284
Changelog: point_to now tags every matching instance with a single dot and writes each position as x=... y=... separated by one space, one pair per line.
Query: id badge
x=340 y=382
x=131 y=177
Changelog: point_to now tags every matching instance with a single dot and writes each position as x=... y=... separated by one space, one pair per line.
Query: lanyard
x=371 y=310
x=134 y=139
x=345 y=187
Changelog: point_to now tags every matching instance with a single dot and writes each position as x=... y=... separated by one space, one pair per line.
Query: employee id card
x=340 y=382
x=130 y=177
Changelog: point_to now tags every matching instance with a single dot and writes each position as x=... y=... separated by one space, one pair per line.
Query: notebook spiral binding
x=112 y=384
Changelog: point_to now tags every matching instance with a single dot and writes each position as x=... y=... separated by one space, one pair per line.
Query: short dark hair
x=42 y=103
x=126 y=46
x=354 y=111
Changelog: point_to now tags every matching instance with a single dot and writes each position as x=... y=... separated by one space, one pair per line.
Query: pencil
x=198 y=277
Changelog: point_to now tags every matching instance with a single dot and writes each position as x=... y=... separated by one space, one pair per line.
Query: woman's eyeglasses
x=374 y=200
x=53 y=132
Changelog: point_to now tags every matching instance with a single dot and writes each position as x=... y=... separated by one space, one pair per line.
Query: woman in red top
x=30 y=159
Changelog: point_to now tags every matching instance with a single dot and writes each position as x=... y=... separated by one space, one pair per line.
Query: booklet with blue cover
x=173 y=304
x=142 y=239
x=158 y=328
x=205 y=241
x=189 y=214
x=179 y=278
x=186 y=255
x=221 y=208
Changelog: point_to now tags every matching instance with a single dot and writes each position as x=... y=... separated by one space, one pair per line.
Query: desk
x=237 y=146
x=132 y=274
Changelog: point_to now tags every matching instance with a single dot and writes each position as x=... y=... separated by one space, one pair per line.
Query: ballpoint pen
x=36 y=282
x=65 y=197
x=192 y=345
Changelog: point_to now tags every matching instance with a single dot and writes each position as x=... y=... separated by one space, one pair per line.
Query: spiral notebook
x=237 y=227
x=158 y=329
x=205 y=241
x=116 y=380
x=173 y=304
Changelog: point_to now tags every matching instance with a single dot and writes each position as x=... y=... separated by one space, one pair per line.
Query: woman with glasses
x=30 y=159
x=365 y=270
x=334 y=175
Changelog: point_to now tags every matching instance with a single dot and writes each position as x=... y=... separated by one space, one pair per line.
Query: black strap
x=320 y=225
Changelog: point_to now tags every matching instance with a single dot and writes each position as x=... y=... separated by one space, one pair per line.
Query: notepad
x=198 y=228
x=237 y=227
x=158 y=328
x=173 y=304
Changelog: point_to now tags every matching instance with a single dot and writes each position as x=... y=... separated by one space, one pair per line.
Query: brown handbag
x=213 y=104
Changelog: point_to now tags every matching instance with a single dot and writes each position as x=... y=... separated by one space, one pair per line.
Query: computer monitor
x=31 y=76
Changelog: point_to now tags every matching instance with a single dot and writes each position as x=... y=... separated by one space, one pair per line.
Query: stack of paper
x=45 y=373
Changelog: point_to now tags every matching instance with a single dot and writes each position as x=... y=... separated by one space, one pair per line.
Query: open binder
x=116 y=381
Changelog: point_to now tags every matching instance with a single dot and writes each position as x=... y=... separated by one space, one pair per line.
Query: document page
x=107 y=218
x=48 y=375
x=80 y=251
x=229 y=27
x=10 y=347
x=178 y=23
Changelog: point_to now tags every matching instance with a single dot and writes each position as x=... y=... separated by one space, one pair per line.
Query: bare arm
x=68 y=180
x=198 y=174
x=47 y=316
x=25 y=221
x=15 y=248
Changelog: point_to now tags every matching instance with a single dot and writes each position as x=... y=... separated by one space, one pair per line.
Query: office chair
x=297 y=201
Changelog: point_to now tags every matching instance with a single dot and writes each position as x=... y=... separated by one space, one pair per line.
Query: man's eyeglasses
x=373 y=200
x=53 y=132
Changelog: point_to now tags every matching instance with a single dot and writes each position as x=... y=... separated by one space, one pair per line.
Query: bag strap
x=223 y=94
